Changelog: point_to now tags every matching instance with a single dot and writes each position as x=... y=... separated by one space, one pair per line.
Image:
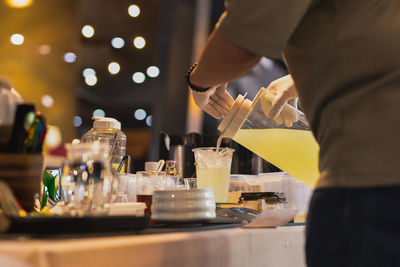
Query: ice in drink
x=213 y=170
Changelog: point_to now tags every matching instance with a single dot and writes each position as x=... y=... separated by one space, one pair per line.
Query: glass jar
x=88 y=179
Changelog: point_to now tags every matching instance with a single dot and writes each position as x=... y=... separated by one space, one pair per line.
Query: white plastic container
x=183 y=205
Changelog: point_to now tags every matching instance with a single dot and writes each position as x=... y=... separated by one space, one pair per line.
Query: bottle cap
x=105 y=122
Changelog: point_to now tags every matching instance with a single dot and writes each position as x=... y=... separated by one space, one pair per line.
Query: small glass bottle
x=170 y=169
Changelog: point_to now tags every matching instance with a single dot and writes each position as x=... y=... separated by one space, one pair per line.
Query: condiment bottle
x=170 y=168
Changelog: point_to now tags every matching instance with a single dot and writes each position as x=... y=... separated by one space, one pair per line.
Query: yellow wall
x=32 y=74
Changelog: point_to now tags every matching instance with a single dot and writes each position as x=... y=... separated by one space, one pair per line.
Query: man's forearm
x=222 y=61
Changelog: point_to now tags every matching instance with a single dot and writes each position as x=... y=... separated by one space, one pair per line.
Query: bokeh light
x=149 y=120
x=47 y=101
x=138 y=77
x=99 y=113
x=17 y=39
x=19 y=3
x=117 y=42
x=88 y=31
x=140 y=114
x=139 y=42
x=75 y=141
x=153 y=71
x=88 y=71
x=53 y=137
x=133 y=11
x=114 y=68
x=44 y=49
x=77 y=121
x=69 y=57
x=91 y=80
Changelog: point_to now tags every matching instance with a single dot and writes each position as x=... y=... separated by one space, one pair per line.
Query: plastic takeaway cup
x=213 y=169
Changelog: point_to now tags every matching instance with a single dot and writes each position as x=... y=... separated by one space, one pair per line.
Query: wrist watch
x=190 y=85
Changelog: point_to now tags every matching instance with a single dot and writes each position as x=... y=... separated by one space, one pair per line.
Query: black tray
x=64 y=224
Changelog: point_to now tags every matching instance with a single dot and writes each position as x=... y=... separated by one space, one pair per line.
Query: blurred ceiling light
x=77 y=121
x=44 y=49
x=117 y=42
x=139 y=42
x=47 y=101
x=53 y=137
x=69 y=57
x=114 y=67
x=140 y=114
x=153 y=71
x=75 y=141
x=91 y=80
x=19 y=3
x=88 y=71
x=149 y=120
x=17 y=39
x=138 y=77
x=133 y=11
x=99 y=113
x=88 y=31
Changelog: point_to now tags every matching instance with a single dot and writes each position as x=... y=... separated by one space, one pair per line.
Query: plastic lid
x=105 y=122
x=236 y=116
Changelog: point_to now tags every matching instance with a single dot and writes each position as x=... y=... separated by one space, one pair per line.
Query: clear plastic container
x=108 y=131
x=213 y=169
x=292 y=149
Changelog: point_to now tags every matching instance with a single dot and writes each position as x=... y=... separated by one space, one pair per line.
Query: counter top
x=281 y=246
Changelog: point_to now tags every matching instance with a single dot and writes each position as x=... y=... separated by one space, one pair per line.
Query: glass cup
x=213 y=169
x=146 y=183
x=126 y=189
x=88 y=179
x=171 y=182
x=190 y=183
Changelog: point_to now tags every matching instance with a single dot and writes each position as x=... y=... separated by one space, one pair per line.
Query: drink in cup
x=213 y=169
x=146 y=183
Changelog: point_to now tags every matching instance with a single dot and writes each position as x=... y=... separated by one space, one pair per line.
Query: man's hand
x=281 y=92
x=216 y=101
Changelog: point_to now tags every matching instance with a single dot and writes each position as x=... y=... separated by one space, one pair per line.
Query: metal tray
x=65 y=224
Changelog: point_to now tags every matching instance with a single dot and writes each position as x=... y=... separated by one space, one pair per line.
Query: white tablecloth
x=280 y=247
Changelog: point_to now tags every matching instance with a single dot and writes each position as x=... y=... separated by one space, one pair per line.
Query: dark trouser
x=354 y=227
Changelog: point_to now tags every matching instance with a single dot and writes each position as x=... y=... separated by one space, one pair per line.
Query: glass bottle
x=170 y=170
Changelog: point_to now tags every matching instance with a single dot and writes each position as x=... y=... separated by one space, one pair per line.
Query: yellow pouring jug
x=292 y=149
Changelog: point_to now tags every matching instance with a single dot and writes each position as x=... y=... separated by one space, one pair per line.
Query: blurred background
x=126 y=59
